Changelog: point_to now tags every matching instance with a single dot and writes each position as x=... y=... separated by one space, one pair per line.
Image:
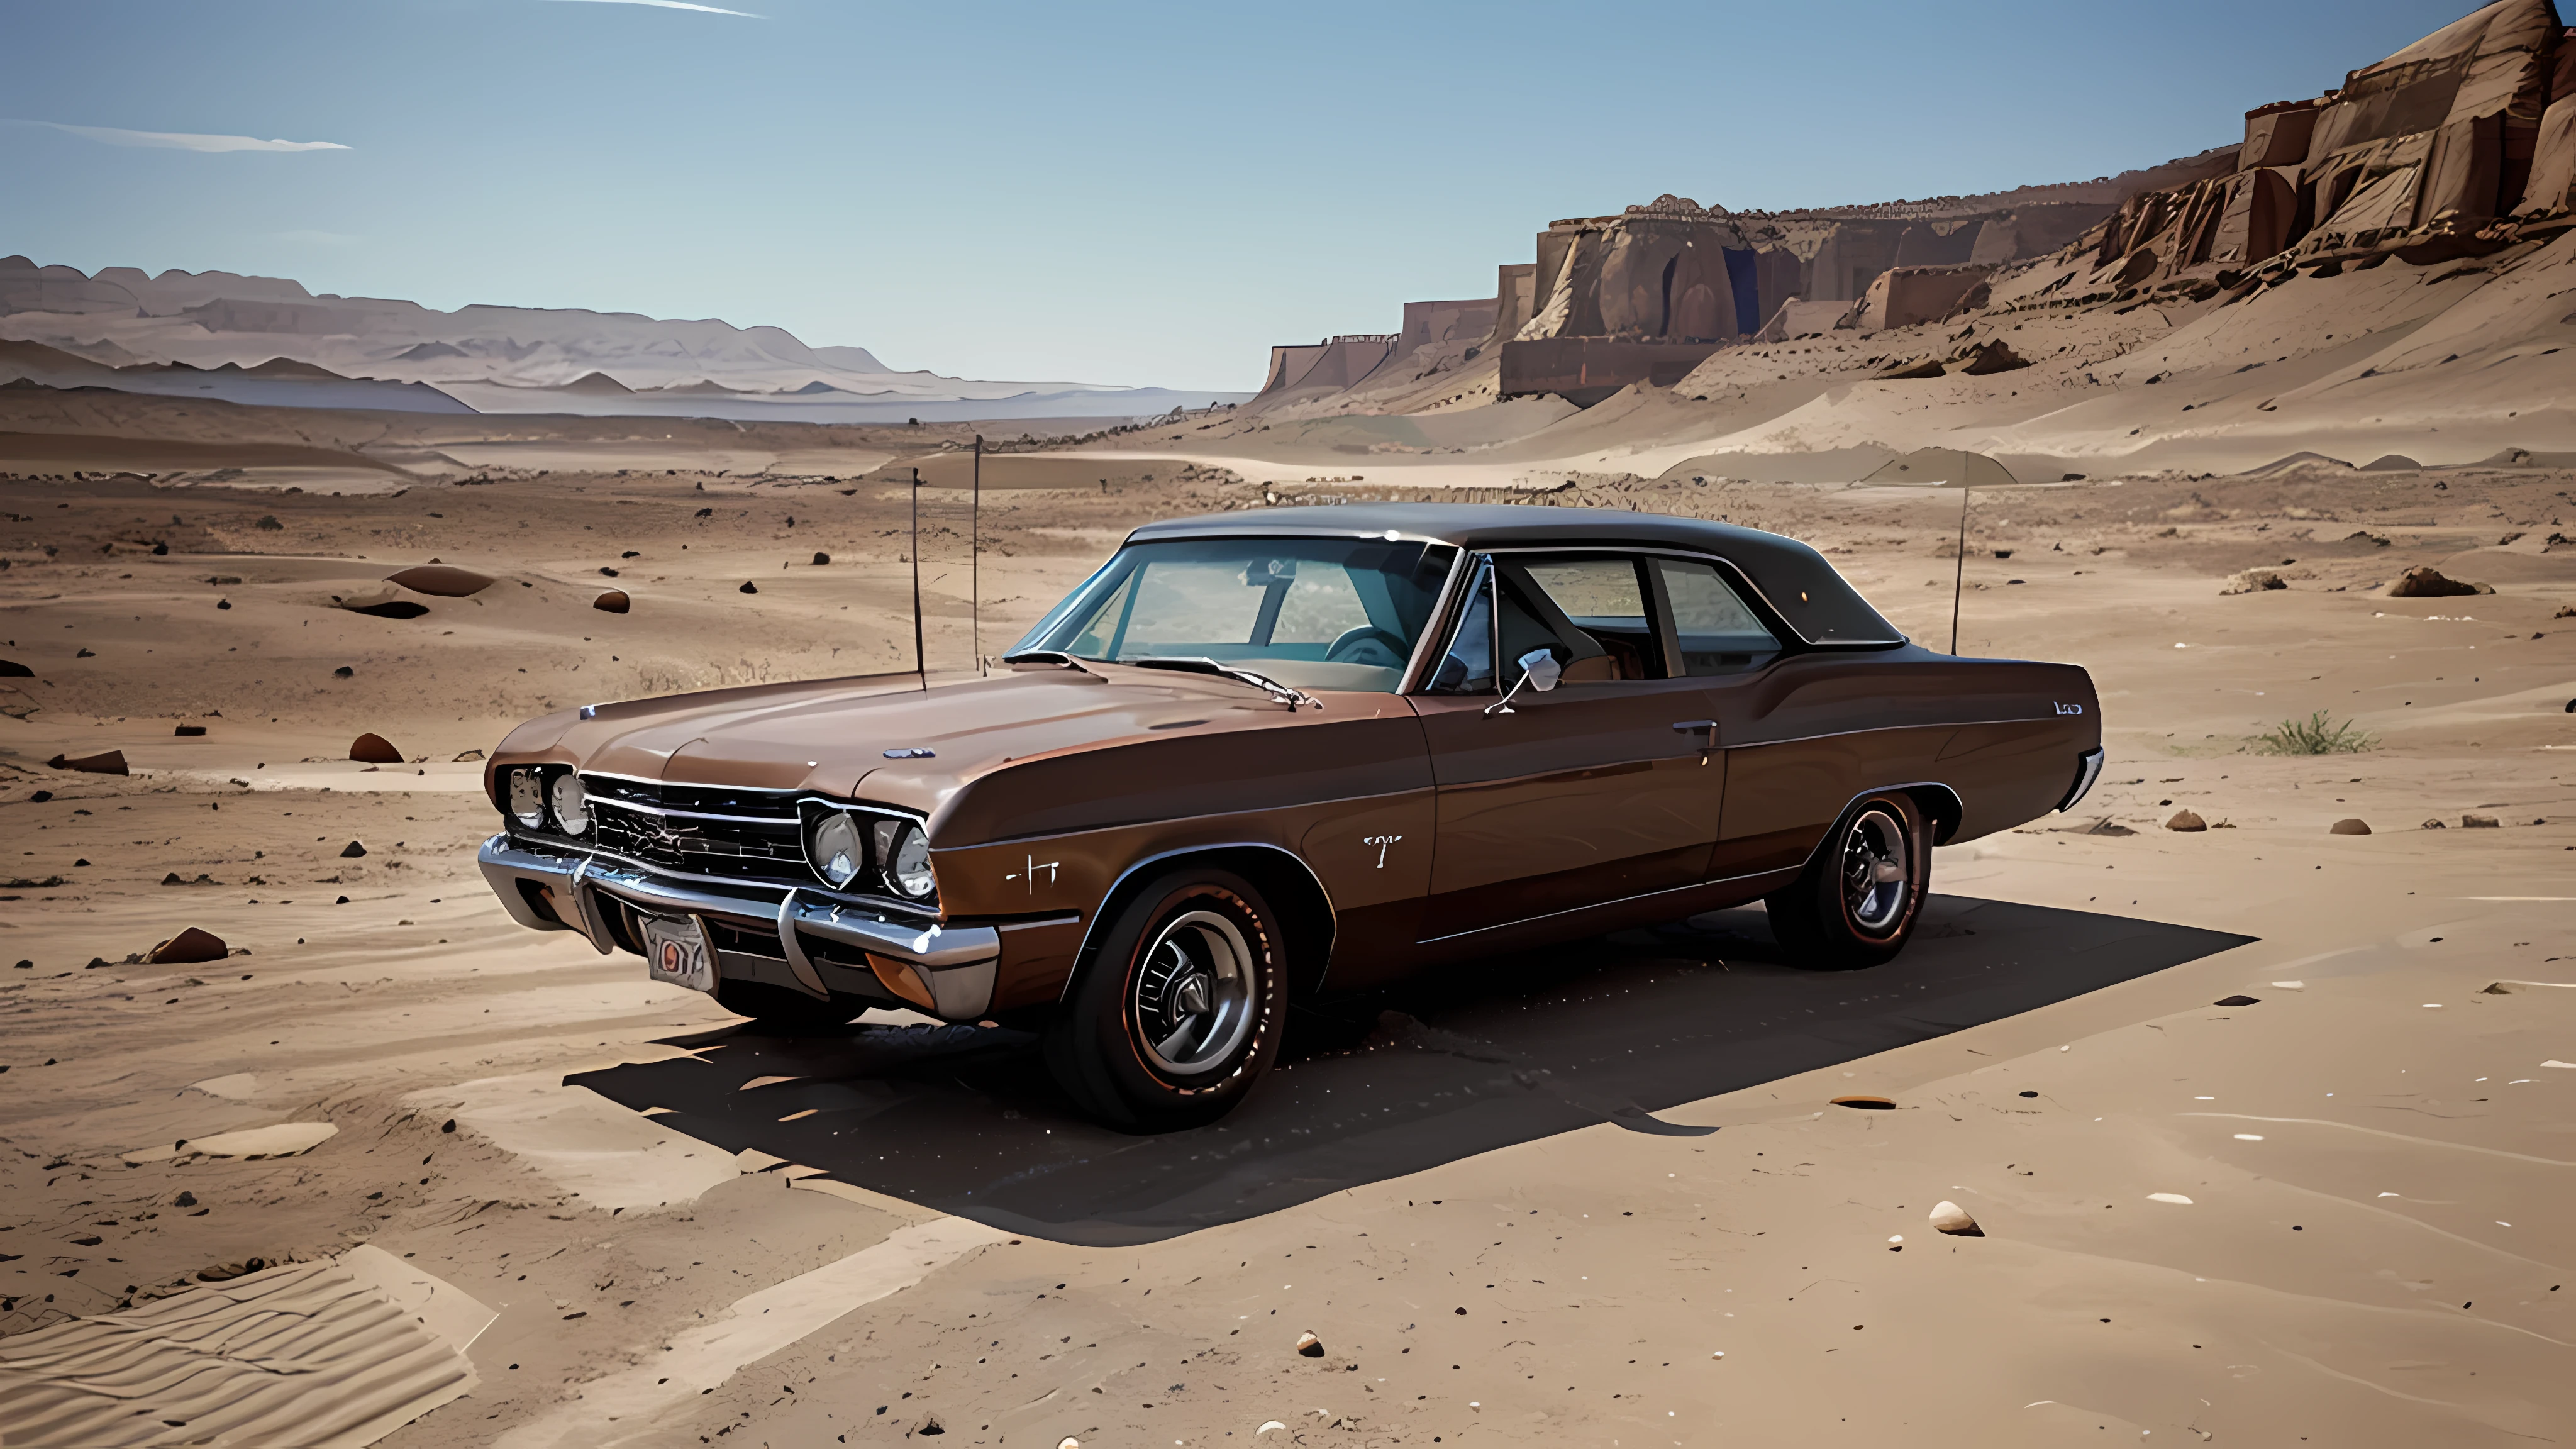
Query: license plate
x=676 y=951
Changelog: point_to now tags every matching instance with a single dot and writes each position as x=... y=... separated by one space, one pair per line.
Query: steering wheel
x=1368 y=645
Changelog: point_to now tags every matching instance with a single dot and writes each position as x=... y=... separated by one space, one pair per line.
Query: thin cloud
x=682 y=5
x=182 y=140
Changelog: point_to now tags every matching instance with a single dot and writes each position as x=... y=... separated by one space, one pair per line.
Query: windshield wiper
x=1288 y=695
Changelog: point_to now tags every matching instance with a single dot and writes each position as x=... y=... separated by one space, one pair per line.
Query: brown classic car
x=1304 y=750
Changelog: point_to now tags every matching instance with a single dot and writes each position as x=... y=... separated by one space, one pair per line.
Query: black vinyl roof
x=1796 y=580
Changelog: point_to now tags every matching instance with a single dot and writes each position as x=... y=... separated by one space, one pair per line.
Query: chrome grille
x=710 y=831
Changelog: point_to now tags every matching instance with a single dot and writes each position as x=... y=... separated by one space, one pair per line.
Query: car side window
x=1589 y=610
x=1468 y=666
x=1714 y=630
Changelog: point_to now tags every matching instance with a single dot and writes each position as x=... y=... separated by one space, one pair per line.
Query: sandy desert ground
x=2267 y=1128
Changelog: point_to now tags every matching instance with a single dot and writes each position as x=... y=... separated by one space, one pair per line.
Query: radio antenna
x=920 y=660
x=975 y=559
x=1958 y=575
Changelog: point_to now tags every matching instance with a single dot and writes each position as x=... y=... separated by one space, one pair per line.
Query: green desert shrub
x=2318 y=734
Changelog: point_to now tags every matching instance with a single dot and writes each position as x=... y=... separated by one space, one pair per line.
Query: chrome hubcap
x=1194 y=995
x=1874 y=870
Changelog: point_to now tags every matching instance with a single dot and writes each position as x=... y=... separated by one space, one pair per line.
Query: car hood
x=829 y=736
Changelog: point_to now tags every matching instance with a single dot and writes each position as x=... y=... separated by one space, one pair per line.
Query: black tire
x=1856 y=903
x=1180 y=1009
x=780 y=1012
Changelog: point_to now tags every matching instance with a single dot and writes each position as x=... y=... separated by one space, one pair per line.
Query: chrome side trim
x=2088 y=768
x=1593 y=906
x=1100 y=918
x=794 y=950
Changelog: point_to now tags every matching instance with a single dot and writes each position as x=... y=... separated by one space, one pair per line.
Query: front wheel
x=1856 y=903
x=1180 y=1010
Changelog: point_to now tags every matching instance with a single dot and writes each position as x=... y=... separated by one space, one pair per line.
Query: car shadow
x=1476 y=1057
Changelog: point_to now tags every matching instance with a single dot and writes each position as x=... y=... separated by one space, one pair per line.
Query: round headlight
x=832 y=844
x=527 y=799
x=907 y=863
x=572 y=803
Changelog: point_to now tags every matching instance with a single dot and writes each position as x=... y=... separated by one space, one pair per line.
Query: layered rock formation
x=2461 y=143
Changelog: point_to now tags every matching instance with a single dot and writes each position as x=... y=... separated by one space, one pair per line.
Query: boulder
x=2253 y=581
x=374 y=749
x=2349 y=827
x=190 y=945
x=110 y=763
x=1995 y=356
x=447 y=581
x=2424 y=582
x=12 y=669
x=1949 y=1217
x=612 y=602
x=2186 y=822
x=821 y=559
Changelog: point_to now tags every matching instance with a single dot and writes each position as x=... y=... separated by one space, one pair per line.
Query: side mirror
x=1541 y=670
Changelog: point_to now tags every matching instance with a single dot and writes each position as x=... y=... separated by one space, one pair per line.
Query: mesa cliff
x=2454 y=158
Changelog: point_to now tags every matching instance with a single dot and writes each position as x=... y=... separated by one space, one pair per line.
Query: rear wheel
x=779 y=1011
x=1181 y=1009
x=1856 y=903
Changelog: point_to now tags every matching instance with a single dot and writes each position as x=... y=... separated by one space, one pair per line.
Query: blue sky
x=1140 y=193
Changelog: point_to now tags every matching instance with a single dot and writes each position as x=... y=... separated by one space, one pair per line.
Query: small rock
x=344 y=672
x=2349 y=827
x=190 y=945
x=374 y=749
x=1310 y=1346
x=185 y=1199
x=12 y=669
x=189 y=732
x=930 y=1425
x=2424 y=582
x=821 y=559
x=110 y=763
x=2253 y=581
x=468 y=756
x=2187 y=822
x=352 y=851
x=2435 y=825
x=447 y=581
x=749 y=587
x=607 y=573
x=1993 y=357
x=612 y=602
x=1953 y=1219
x=2478 y=822
x=268 y=521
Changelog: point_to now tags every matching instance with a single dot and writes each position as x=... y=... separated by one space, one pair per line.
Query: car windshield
x=1317 y=613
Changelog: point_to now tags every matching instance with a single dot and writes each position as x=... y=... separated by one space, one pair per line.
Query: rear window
x=1815 y=600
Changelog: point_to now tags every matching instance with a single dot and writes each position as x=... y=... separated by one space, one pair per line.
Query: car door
x=1598 y=790
x=1781 y=793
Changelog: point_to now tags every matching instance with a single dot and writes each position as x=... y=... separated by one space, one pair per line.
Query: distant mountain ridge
x=493 y=358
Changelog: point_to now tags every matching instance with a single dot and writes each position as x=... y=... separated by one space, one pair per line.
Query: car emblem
x=2070 y=709
x=1029 y=869
x=1381 y=842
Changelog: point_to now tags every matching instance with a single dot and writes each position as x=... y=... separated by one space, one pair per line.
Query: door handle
x=1698 y=726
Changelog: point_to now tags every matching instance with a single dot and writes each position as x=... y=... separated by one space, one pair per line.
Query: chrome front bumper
x=957 y=964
